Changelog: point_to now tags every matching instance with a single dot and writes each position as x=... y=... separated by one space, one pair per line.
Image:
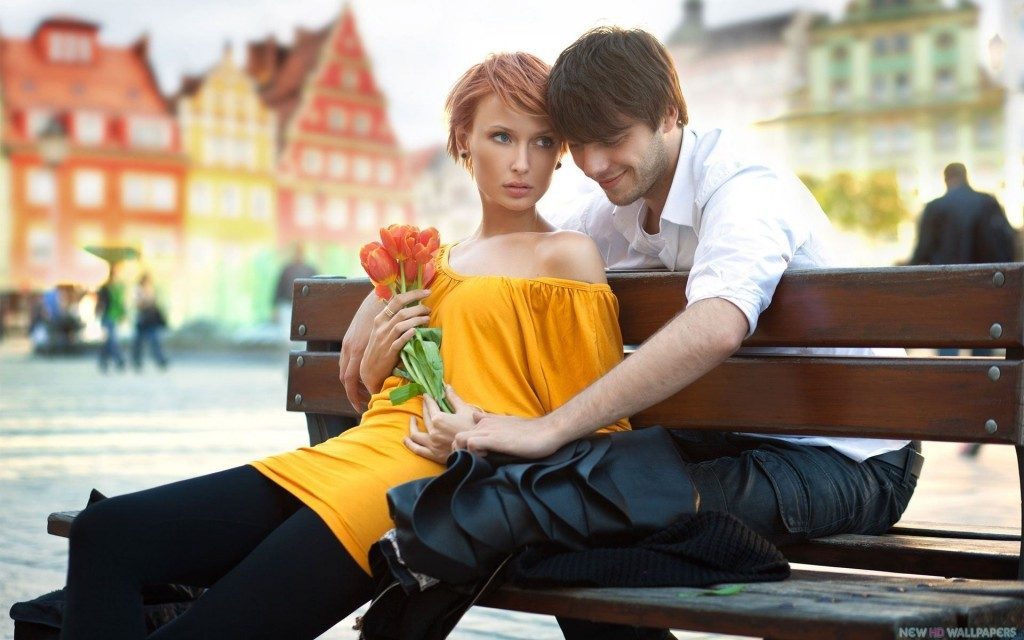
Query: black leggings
x=274 y=569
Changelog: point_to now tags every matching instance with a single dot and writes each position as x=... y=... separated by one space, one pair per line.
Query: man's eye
x=545 y=142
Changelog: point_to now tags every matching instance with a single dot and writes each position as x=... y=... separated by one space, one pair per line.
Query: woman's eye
x=502 y=137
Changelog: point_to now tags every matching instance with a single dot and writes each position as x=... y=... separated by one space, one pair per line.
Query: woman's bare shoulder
x=571 y=255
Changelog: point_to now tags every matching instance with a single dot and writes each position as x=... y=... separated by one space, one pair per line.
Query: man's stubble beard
x=646 y=174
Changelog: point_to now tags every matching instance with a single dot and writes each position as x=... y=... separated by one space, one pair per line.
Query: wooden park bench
x=975 y=574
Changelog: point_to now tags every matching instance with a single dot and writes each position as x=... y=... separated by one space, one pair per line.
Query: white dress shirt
x=736 y=225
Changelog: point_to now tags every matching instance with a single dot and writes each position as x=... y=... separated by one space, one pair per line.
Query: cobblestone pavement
x=64 y=429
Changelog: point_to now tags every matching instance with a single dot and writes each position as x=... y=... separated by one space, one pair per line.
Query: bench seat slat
x=835 y=604
x=967 y=558
x=952 y=306
x=929 y=398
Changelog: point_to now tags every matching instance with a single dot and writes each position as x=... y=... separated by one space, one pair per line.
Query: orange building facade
x=341 y=172
x=119 y=175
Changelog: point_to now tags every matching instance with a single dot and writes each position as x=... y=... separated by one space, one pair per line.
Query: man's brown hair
x=607 y=76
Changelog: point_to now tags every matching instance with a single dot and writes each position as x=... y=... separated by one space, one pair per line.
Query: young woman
x=282 y=543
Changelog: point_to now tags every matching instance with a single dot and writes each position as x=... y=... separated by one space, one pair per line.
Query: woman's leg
x=298 y=583
x=193 y=532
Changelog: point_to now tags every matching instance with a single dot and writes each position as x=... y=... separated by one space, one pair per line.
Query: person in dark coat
x=957 y=227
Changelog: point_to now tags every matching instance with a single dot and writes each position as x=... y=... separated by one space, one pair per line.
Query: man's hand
x=435 y=443
x=392 y=327
x=521 y=437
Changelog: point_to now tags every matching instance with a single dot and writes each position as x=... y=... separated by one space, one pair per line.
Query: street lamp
x=53 y=148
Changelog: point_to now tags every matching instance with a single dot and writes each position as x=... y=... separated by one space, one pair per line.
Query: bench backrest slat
x=954 y=306
x=928 y=398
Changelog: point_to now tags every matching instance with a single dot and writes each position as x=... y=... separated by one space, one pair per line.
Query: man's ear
x=671 y=119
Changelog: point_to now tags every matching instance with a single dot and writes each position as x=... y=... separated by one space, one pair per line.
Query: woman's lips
x=517 y=189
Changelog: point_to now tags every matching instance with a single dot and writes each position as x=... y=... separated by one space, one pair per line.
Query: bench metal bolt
x=298 y=398
x=301 y=361
x=302 y=330
x=305 y=288
x=991 y=426
x=998 y=279
x=996 y=330
x=993 y=371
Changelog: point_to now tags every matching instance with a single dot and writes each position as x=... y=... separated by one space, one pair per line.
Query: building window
x=350 y=79
x=945 y=41
x=260 y=203
x=902 y=138
x=902 y=86
x=879 y=88
x=366 y=216
x=945 y=82
x=312 y=162
x=880 y=141
x=36 y=122
x=880 y=46
x=89 y=128
x=40 y=245
x=945 y=135
x=841 y=144
x=147 y=191
x=89 y=185
x=337 y=213
x=149 y=133
x=70 y=47
x=840 y=92
x=900 y=43
x=337 y=165
x=840 y=54
x=362 y=124
x=336 y=118
x=231 y=201
x=200 y=198
x=985 y=132
x=305 y=210
x=42 y=189
x=362 y=169
x=385 y=172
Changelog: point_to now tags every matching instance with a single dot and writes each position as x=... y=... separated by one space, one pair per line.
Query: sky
x=418 y=48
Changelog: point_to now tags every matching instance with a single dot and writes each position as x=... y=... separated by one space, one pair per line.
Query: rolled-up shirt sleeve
x=751 y=226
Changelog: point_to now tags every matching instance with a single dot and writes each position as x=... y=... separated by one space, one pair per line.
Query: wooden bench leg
x=1020 y=484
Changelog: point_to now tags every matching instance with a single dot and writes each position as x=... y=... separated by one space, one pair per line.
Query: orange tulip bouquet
x=403 y=261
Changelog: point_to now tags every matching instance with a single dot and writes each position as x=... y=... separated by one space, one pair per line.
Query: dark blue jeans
x=786 y=492
x=111 y=349
x=145 y=335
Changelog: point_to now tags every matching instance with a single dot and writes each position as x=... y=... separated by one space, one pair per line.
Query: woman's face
x=513 y=156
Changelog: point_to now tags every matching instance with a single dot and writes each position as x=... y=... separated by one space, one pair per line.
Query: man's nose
x=591 y=160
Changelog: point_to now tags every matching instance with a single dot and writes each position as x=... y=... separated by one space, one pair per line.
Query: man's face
x=627 y=166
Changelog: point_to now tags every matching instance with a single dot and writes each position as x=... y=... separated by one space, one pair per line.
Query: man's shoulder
x=720 y=157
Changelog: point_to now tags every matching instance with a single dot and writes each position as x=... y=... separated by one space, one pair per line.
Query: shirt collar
x=681 y=196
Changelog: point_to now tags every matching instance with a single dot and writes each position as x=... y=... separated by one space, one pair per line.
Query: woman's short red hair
x=520 y=81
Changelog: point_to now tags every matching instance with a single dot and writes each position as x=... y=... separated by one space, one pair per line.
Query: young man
x=680 y=199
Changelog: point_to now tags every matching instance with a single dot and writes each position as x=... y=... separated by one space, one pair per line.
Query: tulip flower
x=404 y=260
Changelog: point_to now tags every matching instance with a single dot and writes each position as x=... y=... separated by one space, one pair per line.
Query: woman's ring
x=388 y=312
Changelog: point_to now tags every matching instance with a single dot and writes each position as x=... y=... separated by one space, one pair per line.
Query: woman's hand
x=435 y=443
x=393 y=326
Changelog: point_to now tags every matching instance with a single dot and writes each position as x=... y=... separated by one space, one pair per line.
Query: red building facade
x=341 y=173
x=118 y=178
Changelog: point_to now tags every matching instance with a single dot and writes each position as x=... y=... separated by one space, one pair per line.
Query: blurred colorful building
x=6 y=220
x=898 y=85
x=341 y=173
x=230 y=138
x=94 y=155
x=1012 y=30
x=445 y=194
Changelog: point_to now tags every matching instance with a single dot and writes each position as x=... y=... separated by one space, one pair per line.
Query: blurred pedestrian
x=110 y=307
x=964 y=226
x=297 y=268
x=149 y=322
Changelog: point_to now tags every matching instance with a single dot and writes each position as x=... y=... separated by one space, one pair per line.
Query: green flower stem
x=414 y=367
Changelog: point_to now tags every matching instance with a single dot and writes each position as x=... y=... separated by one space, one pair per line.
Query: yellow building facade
x=230 y=197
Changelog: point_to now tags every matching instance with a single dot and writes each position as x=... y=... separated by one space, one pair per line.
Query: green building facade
x=897 y=85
